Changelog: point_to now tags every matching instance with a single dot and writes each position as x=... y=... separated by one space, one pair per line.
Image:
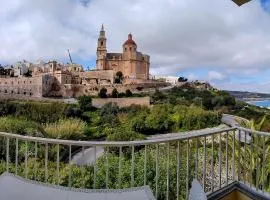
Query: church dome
x=130 y=41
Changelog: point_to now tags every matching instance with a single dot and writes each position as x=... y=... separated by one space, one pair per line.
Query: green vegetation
x=65 y=129
x=119 y=77
x=177 y=110
x=102 y=93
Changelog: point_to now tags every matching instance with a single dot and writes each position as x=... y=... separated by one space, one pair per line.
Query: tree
x=114 y=93
x=85 y=103
x=102 y=93
x=182 y=79
x=128 y=93
x=119 y=77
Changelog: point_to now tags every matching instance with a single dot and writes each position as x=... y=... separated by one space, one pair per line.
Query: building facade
x=133 y=64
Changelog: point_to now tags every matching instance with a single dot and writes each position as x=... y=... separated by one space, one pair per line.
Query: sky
x=212 y=40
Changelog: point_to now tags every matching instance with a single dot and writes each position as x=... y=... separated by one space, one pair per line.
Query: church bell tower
x=101 y=50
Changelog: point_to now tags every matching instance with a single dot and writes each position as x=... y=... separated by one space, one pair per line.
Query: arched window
x=101 y=43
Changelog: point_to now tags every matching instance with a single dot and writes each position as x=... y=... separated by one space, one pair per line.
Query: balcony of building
x=229 y=163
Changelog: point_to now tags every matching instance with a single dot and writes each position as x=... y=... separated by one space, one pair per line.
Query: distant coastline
x=261 y=102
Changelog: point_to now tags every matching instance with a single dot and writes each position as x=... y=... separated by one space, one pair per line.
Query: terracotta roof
x=130 y=41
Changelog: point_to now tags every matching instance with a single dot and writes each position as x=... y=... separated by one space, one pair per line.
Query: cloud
x=192 y=77
x=216 y=76
x=248 y=86
x=178 y=35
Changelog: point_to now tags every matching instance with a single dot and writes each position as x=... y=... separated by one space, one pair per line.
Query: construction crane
x=240 y=2
x=69 y=57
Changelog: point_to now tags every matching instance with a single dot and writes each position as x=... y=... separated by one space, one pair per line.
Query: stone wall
x=98 y=74
x=122 y=102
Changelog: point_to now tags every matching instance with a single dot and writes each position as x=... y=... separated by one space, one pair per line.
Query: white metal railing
x=215 y=157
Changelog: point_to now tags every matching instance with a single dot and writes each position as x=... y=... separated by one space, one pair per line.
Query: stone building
x=133 y=64
x=26 y=87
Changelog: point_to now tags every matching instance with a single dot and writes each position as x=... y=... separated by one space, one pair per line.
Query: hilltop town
x=128 y=70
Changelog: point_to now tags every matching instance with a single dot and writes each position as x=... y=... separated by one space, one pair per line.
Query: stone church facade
x=133 y=64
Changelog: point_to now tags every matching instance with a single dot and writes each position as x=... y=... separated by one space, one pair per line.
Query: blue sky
x=208 y=40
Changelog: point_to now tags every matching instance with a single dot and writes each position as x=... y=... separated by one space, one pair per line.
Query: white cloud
x=216 y=76
x=251 y=86
x=192 y=77
x=176 y=34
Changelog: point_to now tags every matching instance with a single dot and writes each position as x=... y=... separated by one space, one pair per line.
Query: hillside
x=249 y=95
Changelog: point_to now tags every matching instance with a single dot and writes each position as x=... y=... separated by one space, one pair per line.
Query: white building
x=168 y=79
x=21 y=68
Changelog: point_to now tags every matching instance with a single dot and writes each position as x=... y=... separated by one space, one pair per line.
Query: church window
x=101 y=43
x=130 y=48
x=125 y=49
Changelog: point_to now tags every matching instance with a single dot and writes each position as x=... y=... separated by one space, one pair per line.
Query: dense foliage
x=177 y=110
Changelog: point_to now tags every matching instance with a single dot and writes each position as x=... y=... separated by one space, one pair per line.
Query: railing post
x=178 y=170
x=82 y=167
x=107 y=168
x=35 y=167
x=197 y=157
x=46 y=162
x=263 y=166
x=69 y=161
x=145 y=165
x=257 y=162
x=239 y=155
x=220 y=161
x=120 y=167
x=16 y=156
x=57 y=164
x=157 y=156
x=233 y=155
x=25 y=160
x=132 y=166
x=251 y=160
x=168 y=171
x=95 y=165
x=7 y=154
x=245 y=158
x=204 y=161
x=227 y=167
x=187 y=179
x=212 y=165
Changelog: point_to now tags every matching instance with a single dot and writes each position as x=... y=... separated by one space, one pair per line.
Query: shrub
x=102 y=93
x=19 y=126
x=121 y=134
x=40 y=112
x=128 y=93
x=114 y=93
x=65 y=129
x=85 y=102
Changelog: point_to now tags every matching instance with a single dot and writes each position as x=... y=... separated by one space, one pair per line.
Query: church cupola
x=129 y=45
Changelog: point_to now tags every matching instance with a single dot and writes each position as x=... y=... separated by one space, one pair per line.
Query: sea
x=261 y=103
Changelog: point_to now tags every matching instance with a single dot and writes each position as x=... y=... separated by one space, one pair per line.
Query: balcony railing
x=168 y=165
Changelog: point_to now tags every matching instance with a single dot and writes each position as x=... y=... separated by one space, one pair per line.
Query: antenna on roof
x=69 y=57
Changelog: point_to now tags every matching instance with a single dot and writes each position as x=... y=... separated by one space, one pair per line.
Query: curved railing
x=216 y=157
